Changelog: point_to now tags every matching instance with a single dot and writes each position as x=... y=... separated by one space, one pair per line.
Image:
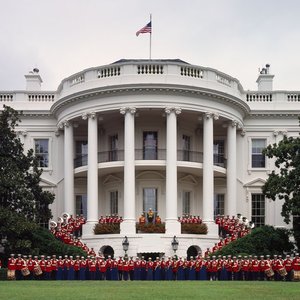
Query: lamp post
x=125 y=245
x=174 y=244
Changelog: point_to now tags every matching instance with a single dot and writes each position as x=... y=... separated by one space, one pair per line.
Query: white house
x=135 y=134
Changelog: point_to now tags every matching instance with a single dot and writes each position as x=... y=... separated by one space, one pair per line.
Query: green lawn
x=148 y=290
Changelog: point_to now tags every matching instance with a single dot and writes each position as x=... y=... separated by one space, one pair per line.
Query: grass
x=66 y=290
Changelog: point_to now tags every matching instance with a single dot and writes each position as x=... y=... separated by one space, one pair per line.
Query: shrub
x=110 y=228
x=194 y=228
x=150 y=228
x=261 y=241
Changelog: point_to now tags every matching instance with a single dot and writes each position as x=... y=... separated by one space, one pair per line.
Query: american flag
x=145 y=29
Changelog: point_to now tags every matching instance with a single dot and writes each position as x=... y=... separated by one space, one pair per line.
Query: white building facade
x=135 y=134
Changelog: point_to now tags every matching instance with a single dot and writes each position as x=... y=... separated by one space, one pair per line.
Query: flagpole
x=150 y=34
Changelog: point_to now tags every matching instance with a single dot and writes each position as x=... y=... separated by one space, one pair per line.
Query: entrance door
x=150 y=145
x=150 y=200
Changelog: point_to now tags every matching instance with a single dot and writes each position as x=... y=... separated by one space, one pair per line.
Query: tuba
x=53 y=224
x=65 y=217
x=60 y=220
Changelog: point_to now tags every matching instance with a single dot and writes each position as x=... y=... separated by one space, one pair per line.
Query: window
x=219 y=205
x=81 y=153
x=186 y=147
x=41 y=149
x=149 y=199
x=258 y=159
x=113 y=147
x=114 y=199
x=219 y=152
x=186 y=203
x=81 y=205
x=150 y=145
x=258 y=209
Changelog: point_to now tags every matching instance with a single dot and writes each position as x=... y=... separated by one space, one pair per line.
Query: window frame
x=114 y=207
x=185 y=192
x=254 y=216
x=258 y=154
x=49 y=168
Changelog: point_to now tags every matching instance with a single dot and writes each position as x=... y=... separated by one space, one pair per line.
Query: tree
x=284 y=182
x=20 y=191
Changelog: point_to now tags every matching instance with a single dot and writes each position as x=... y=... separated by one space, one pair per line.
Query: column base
x=88 y=228
x=127 y=227
x=173 y=227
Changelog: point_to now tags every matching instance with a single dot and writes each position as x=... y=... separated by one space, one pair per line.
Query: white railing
x=109 y=72
x=41 y=97
x=191 y=72
x=293 y=97
x=223 y=80
x=259 y=97
x=77 y=79
x=6 y=97
x=150 y=69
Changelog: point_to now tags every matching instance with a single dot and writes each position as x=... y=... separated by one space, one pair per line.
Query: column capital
x=84 y=116
x=124 y=110
x=57 y=132
x=87 y=115
x=210 y=114
x=176 y=110
x=64 y=124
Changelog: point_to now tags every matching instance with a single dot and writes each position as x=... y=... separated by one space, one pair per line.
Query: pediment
x=148 y=175
x=188 y=179
x=111 y=179
x=258 y=182
x=46 y=183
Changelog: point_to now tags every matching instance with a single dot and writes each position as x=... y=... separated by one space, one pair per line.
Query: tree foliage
x=262 y=240
x=284 y=182
x=19 y=235
x=19 y=173
x=23 y=203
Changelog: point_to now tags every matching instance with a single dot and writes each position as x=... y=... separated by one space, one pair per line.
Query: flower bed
x=194 y=228
x=150 y=228
x=113 y=228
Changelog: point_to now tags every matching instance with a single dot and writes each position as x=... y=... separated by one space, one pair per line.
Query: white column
x=69 y=201
x=92 y=190
x=128 y=225
x=208 y=172
x=172 y=224
x=231 y=169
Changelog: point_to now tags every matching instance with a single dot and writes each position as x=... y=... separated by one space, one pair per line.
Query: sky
x=62 y=37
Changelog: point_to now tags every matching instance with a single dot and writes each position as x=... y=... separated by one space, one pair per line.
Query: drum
x=269 y=272
x=25 y=272
x=282 y=272
x=11 y=274
x=37 y=270
x=296 y=275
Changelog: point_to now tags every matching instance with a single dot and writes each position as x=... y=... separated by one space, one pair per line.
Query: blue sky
x=234 y=36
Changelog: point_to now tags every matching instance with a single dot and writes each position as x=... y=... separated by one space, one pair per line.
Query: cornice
x=275 y=114
x=100 y=92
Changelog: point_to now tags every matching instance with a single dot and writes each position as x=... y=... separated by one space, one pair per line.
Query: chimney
x=33 y=80
x=265 y=80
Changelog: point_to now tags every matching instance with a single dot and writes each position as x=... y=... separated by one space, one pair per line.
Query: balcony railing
x=153 y=154
x=220 y=160
x=192 y=156
x=141 y=154
x=112 y=155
